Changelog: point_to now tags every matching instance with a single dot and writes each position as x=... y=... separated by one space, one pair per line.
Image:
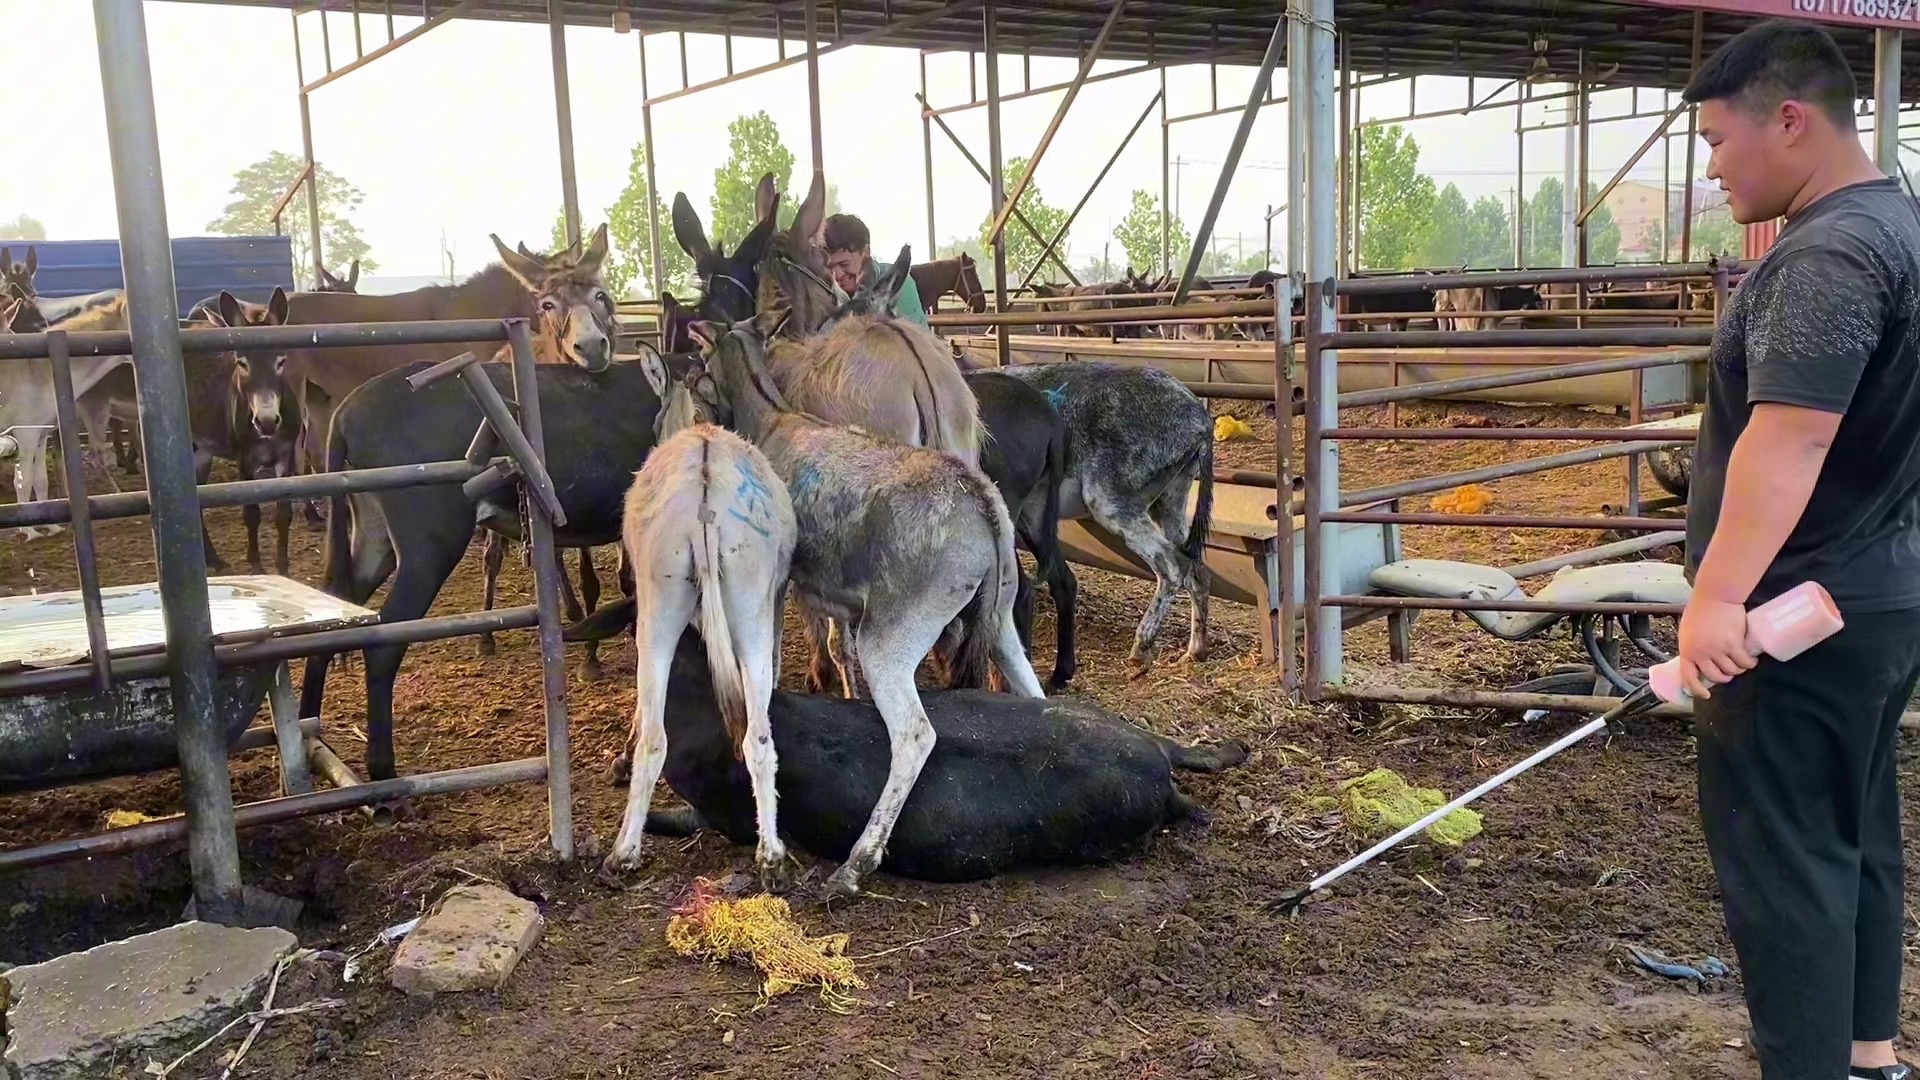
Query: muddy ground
x=1503 y=960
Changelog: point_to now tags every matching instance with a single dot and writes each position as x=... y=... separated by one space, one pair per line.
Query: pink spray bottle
x=1782 y=628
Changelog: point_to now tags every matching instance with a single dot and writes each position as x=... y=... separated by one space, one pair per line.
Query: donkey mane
x=108 y=316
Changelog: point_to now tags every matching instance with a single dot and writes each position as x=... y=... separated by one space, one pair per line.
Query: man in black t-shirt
x=1808 y=468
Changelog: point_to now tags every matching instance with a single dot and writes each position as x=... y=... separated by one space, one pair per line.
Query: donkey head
x=734 y=356
x=684 y=402
x=259 y=389
x=20 y=315
x=793 y=275
x=729 y=282
x=332 y=283
x=576 y=323
x=877 y=300
x=16 y=279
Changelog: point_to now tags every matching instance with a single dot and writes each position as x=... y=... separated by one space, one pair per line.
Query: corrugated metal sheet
x=247 y=266
x=1760 y=238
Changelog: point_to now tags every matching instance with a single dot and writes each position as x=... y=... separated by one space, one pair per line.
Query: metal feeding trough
x=63 y=737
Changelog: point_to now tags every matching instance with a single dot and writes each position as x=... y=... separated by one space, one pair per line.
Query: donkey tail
x=1196 y=544
x=1047 y=544
x=981 y=619
x=606 y=621
x=339 y=545
x=729 y=683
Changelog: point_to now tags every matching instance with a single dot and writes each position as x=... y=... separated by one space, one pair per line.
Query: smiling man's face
x=847 y=268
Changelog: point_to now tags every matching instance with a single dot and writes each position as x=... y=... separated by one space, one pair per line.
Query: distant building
x=1636 y=209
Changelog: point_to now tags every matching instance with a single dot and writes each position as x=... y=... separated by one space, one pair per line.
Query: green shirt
x=907 y=304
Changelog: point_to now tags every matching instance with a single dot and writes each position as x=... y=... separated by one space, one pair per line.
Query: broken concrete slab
x=471 y=940
x=150 y=996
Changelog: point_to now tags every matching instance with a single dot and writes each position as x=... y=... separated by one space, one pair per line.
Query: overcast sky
x=454 y=133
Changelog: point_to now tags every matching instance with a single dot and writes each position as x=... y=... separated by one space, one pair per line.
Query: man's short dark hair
x=847 y=233
x=1775 y=61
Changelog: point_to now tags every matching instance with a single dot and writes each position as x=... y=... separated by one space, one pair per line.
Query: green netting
x=1381 y=803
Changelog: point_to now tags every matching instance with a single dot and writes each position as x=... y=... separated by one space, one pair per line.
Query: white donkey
x=709 y=532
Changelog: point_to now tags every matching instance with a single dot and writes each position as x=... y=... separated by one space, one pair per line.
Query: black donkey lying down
x=1013 y=782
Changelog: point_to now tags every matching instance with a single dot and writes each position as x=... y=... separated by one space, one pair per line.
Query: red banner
x=1888 y=14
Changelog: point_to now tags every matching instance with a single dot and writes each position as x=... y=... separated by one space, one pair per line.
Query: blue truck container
x=247 y=266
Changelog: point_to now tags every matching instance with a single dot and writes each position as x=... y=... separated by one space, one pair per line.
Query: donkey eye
x=603 y=298
x=548 y=305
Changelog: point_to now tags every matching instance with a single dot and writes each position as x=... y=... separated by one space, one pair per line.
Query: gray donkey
x=867 y=369
x=1136 y=441
x=894 y=542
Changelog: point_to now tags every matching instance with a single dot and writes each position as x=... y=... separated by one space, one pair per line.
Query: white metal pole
x=1322 y=218
x=1886 y=101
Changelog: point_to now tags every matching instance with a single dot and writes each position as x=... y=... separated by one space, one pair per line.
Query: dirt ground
x=1503 y=960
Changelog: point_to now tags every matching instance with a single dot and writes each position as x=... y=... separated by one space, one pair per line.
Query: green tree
x=258 y=186
x=1446 y=242
x=754 y=149
x=1716 y=233
x=1396 y=199
x=1489 y=234
x=23 y=228
x=1544 y=228
x=1139 y=234
x=628 y=270
x=1022 y=248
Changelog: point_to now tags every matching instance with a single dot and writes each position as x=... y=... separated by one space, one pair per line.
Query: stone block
x=471 y=940
x=150 y=996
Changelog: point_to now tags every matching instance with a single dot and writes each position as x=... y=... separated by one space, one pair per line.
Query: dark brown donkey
x=16 y=278
x=942 y=276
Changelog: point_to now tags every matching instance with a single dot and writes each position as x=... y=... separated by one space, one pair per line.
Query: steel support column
x=1276 y=46
x=654 y=235
x=1297 y=64
x=1166 y=181
x=997 y=180
x=146 y=259
x=813 y=88
x=1693 y=124
x=1886 y=101
x=926 y=148
x=563 y=116
x=1322 y=243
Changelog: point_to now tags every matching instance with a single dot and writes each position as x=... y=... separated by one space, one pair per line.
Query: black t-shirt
x=1830 y=320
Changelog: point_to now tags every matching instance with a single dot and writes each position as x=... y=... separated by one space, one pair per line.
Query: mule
x=263 y=421
x=1010 y=783
x=16 y=278
x=895 y=541
x=709 y=531
x=331 y=282
x=1137 y=441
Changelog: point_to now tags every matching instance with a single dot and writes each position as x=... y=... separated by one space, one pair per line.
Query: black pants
x=1801 y=810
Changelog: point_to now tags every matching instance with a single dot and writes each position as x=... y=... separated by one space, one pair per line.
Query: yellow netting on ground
x=1381 y=803
x=762 y=929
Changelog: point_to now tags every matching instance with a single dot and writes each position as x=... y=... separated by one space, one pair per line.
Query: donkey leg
x=1196 y=579
x=889 y=655
x=493 y=553
x=755 y=640
x=1010 y=655
x=819 y=660
x=656 y=634
x=1146 y=539
x=250 y=513
x=589 y=600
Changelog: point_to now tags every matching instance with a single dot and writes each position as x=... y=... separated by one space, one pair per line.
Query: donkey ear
x=886 y=288
x=530 y=271
x=33 y=260
x=766 y=198
x=229 y=307
x=753 y=247
x=810 y=223
x=772 y=319
x=707 y=333
x=688 y=230
x=596 y=252
x=353 y=275
x=655 y=370
x=277 y=307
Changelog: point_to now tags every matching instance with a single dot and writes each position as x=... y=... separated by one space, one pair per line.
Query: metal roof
x=1652 y=46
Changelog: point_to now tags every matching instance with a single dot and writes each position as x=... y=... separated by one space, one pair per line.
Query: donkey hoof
x=589 y=671
x=254 y=567
x=777 y=874
x=620 y=772
x=1059 y=680
x=844 y=884
x=1195 y=654
x=484 y=647
x=617 y=865
x=1139 y=662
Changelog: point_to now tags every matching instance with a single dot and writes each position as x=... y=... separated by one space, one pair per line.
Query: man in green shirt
x=850 y=261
